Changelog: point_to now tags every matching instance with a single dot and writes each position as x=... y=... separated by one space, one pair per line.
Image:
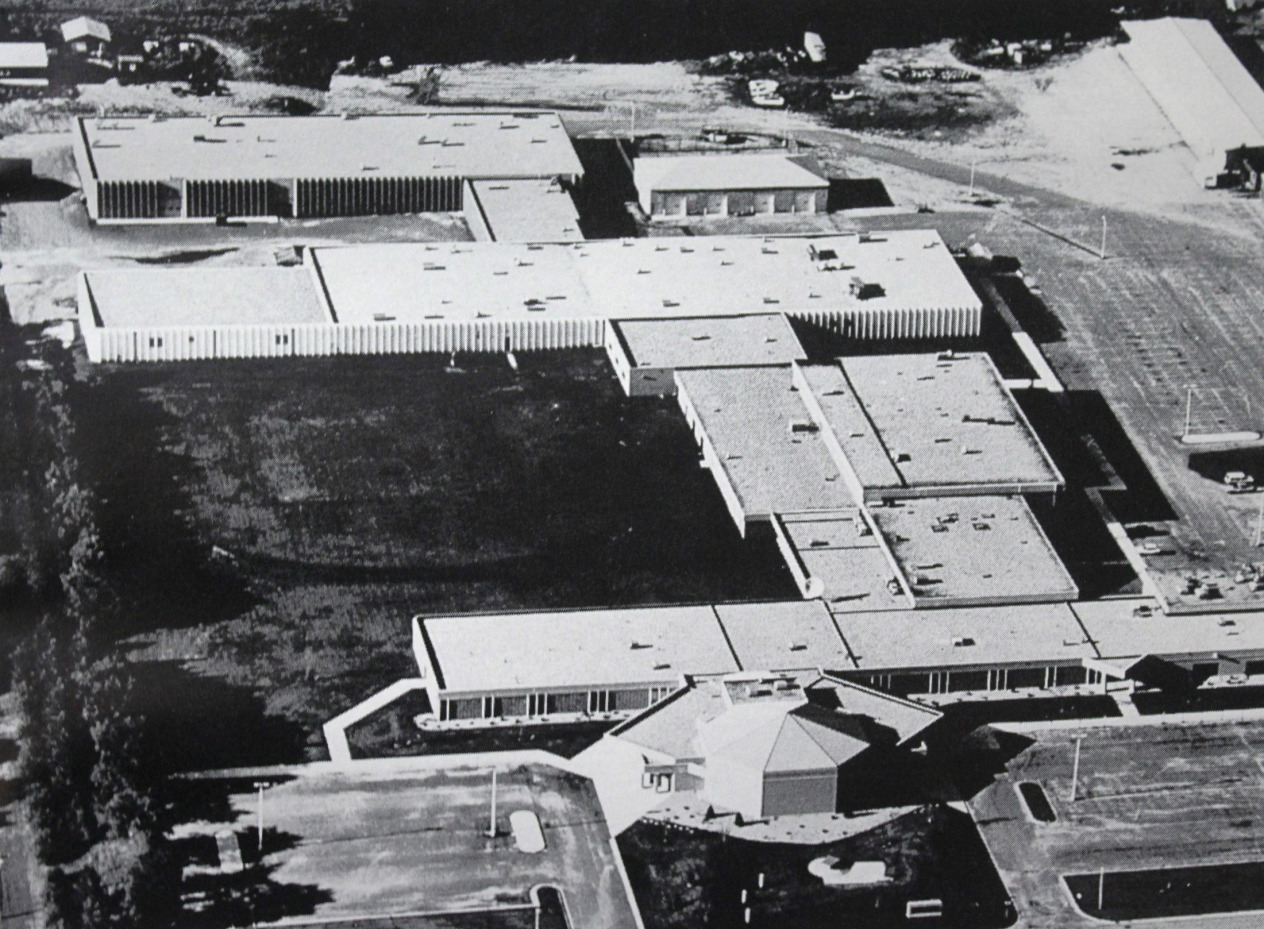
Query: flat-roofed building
x=564 y=663
x=840 y=557
x=670 y=186
x=810 y=450
x=257 y=167
x=945 y=423
x=23 y=64
x=910 y=285
x=189 y=313
x=530 y=210
x=790 y=636
x=497 y=296
x=1127 y=632
x=646 y=353
x=1206 y=93
x=759 y=441
x=1024 y=647
x=972 y=551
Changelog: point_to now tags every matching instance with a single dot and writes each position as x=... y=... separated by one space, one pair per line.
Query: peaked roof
x=831 y=722
x=82 y=26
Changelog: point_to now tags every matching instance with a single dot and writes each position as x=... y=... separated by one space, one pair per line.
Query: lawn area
x=272 y=525
x=694 y=878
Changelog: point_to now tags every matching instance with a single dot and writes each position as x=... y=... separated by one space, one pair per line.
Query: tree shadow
x=250 y=897
x=200 y=723
x=166 y=576
x=208 y=799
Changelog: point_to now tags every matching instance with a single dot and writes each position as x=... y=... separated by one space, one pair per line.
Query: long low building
x=567 y=665
x=670 y=186
x=162 y=168
x=497 y=296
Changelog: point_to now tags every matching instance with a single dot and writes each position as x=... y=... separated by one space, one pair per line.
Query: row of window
x=940 y=682
x=550 y=704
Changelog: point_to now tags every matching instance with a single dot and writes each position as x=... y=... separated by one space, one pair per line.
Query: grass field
x=274 y=525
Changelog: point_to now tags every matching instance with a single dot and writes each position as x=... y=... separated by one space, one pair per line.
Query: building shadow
x=856 y=193
x=201 y=723
x=1142 y=499
x=19 y=184
x=607 y=186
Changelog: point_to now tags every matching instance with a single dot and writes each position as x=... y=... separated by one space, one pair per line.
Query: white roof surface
x=150 y=297
x=23 y=55
x=973 y=548
x=528 y=210
x=1120 y=634
x=710 y=341
x=784 y=636
x=640 y=278
x=83 y=26
x=1198 y=82
x=445 y=144
x=943 y=419
x=581 y=648
x=999 y=636
x=749 y=416
x=724 y=172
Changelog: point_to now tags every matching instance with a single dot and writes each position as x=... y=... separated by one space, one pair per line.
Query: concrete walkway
x=336 y=728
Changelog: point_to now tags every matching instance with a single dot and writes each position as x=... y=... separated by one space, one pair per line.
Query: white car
x=770 y=101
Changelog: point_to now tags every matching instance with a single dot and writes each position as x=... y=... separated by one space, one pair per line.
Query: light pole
x=261 y=786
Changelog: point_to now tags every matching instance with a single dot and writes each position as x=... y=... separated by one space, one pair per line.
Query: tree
x=56 y=758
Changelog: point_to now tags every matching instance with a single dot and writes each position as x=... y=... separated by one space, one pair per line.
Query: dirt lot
x=371 y=843
x=1148 y=796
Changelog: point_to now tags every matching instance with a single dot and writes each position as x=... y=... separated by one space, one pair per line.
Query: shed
x=86 y=35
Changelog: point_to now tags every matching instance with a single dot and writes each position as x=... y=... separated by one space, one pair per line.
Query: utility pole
x=1075 y=768
x=491 y=827
x=632 y=129
x=1101 y=887
x=261 y=785
x=972 y=164
x=1189 y=410
x=1102 y=251
x=1259 y=522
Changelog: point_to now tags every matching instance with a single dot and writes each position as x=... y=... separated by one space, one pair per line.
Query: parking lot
x=387 y=841
x=1146 y=797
